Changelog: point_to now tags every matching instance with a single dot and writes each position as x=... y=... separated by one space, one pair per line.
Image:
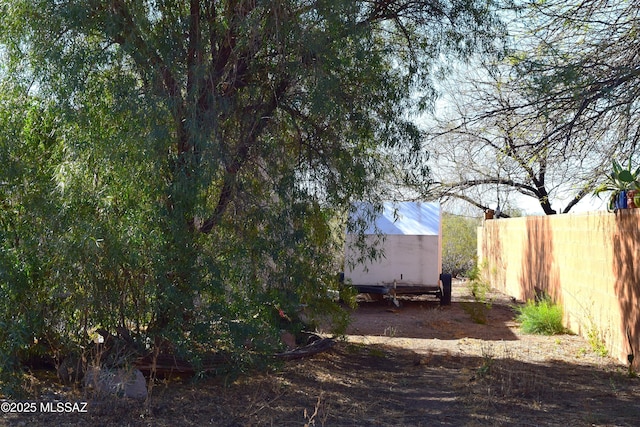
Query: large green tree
x=194 y=158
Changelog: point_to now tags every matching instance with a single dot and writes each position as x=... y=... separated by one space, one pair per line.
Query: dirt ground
x=416 y=365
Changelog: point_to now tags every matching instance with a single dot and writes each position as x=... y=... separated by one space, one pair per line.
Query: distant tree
x=493 y=143
x=546 y=121
x=459 y=244
x=580 y=64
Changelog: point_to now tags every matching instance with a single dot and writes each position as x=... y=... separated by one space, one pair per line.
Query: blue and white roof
x=402 y=218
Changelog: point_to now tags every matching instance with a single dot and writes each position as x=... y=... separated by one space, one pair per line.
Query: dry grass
x=380 y=385
x=433 y=366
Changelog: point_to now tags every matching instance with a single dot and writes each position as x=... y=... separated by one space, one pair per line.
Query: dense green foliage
x=542 y=317
x=178 y=172
x=459 y=244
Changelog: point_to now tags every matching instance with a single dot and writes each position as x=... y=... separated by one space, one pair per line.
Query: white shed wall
x=412 y=259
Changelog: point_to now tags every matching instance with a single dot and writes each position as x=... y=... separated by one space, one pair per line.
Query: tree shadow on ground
x=376 y=385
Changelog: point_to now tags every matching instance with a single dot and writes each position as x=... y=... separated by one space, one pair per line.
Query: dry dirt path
x=500 y=375
x=422 y=326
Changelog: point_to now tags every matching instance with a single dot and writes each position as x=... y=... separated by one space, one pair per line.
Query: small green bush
x=478 y=284
x=543 y=317
x=597 y=342
x=479 y=288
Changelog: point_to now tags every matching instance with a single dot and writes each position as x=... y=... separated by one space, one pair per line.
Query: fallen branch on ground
x=315 y=347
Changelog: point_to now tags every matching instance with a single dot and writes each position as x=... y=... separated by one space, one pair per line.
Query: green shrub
x=478 y=284
x=543 y=317
x=479 y=288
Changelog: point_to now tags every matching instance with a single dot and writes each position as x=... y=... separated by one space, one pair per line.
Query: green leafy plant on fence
x=543 y=317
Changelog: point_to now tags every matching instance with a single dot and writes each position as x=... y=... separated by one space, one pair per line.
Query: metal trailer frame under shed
x=410 y=235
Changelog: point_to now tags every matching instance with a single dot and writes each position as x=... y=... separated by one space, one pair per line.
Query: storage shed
x=412 y=246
